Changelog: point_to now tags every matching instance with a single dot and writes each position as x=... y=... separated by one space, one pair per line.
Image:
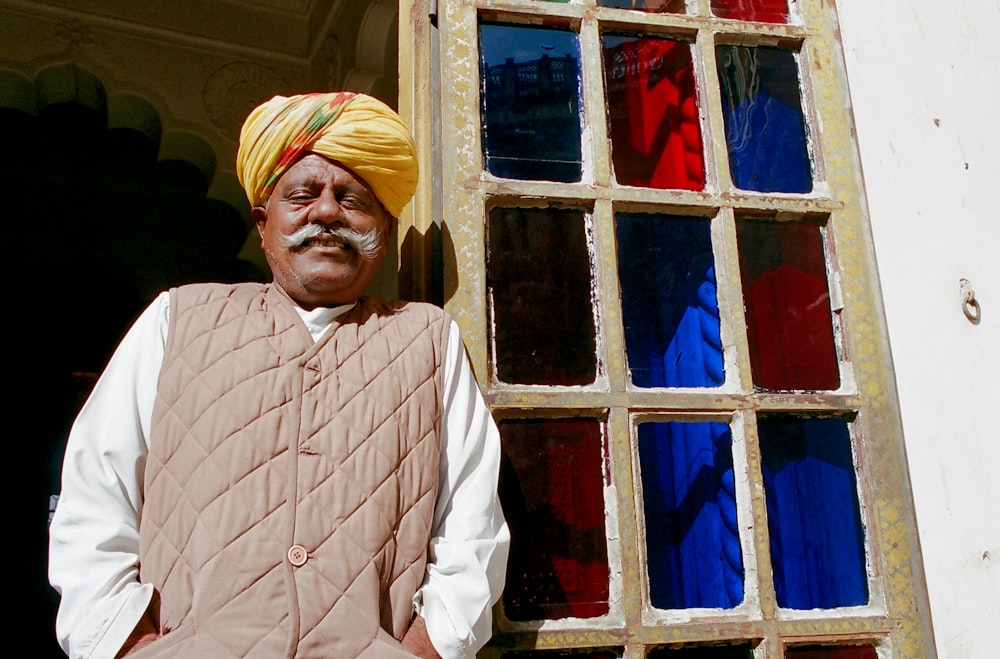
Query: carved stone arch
x=69 y=82
x=105 y=210
x=376 y=59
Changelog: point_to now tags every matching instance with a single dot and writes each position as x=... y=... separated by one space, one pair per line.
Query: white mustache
x=367 y=245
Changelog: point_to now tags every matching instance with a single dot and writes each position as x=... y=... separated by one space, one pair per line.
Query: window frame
x=442 y=238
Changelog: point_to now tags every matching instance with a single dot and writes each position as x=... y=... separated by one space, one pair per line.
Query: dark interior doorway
x=96 y=225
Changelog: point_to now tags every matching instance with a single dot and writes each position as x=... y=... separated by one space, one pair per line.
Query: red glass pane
x=764 y=11
x=787 y=302
x=552 y=489
x=653 y=113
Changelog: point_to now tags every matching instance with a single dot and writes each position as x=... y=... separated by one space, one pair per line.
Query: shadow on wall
x=96 y=225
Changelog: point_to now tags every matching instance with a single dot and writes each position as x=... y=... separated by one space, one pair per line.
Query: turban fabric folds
x=359 y=131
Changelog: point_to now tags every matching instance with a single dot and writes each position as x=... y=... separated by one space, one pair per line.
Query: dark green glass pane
x=530 y=102
x=813 y=516
x=588 y=653
x=707 y=652
x=539 y=283
x=693 y=552
x=552 y=491
x=666 y=272
x=831 y=652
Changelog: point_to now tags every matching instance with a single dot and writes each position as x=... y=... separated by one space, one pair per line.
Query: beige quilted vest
x=290 y=485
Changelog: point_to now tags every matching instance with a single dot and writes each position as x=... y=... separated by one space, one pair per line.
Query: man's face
x=322 y=270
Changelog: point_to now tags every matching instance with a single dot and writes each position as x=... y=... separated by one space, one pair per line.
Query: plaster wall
x=925 y=83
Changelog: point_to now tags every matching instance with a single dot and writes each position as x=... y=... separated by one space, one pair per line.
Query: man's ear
x=259 y=214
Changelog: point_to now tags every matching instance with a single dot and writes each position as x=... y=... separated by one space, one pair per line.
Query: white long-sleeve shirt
x=94 y=534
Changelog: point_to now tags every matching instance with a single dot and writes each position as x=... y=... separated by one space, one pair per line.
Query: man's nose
x=327 y=209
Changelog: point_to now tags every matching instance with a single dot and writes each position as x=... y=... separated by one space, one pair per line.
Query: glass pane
x=669 y=308
x=659 y=6
x=762 y=110
x=568 y=654
x=764 y=11
x=692 y=534
x=531 y=102
x=707 y=652
x=787 y=302
x=831 y=652
x=652 y=112
x=817 y=540
x=539 y=282
x=552 y=480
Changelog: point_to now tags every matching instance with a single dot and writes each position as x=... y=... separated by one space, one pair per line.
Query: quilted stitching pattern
x=332 y=446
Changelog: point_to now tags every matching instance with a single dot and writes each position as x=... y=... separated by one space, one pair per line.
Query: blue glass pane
x=530 y=102
x=762 y=110
x=817 y=540
x=692 y=535
x=669 y=307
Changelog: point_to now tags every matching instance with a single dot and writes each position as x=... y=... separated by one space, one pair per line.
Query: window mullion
x=729 y=290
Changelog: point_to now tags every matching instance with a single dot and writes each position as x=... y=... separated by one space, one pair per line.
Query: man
x=292 y=469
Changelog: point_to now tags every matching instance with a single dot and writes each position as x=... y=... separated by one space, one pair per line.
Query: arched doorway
x=97 y=224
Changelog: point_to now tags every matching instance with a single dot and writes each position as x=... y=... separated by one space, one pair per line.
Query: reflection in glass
x=530 y=102
x=743 y=651
x=657 y=6
x=831 y=652
x=652 y=113
x=692 y=533
x=817 y=540
x=670 y=313
x=762 y=110
x=763 y=11
x=552 y=480
x=539 y=282
x=787 y=302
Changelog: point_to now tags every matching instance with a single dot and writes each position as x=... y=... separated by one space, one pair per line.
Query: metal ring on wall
x=970 y=305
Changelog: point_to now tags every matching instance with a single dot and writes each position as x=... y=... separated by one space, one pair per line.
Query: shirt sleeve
x=94 y=534
x=470 y=540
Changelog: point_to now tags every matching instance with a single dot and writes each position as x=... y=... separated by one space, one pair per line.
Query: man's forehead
x=315 y=168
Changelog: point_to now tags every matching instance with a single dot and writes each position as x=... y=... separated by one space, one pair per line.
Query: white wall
x=925 y=85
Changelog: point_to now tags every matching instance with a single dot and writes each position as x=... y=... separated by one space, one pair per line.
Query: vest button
x=297 y=555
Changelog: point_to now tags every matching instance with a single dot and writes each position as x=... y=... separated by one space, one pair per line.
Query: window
x=648 y=219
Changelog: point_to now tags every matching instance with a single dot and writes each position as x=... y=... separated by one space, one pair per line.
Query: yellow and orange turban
x=360 y=132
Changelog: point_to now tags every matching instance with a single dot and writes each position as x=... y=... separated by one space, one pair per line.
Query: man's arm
x=94 y=534
x=417 y=642
x=469 y=540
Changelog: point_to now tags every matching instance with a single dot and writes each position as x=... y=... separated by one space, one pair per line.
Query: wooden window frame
x=442 y=248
